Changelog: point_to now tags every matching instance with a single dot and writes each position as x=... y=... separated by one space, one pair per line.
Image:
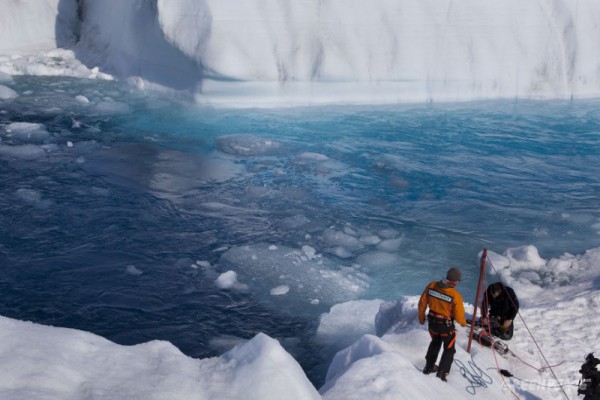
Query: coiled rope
x=474 y=375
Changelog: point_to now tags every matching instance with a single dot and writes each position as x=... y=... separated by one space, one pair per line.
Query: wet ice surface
x=139 y=218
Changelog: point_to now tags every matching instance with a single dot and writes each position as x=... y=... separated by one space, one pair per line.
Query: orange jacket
x=442 y=300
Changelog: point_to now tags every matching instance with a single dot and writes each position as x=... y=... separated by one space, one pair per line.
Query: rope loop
x=474 y=375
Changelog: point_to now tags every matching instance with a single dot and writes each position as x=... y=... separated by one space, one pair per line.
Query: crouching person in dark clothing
x=445 y=306
x=501 y=305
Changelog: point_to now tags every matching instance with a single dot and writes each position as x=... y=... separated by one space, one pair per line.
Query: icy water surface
x=119 y=210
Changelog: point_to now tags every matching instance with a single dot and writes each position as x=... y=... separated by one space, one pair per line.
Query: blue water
x=143 y=188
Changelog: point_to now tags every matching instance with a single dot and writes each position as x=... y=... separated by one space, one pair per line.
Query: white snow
x=42 y=362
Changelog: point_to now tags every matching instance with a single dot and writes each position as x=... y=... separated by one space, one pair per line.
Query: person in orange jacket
x=445 y=306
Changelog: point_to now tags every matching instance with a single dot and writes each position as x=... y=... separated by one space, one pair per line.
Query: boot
x=442 y=375
x=428 y=370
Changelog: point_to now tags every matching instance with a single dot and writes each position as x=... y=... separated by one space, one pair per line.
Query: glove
x=504 y=327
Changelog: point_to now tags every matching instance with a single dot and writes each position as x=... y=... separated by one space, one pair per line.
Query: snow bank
x=41 y=362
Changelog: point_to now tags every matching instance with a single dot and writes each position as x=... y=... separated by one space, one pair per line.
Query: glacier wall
x=334 y=50
x=30 y=25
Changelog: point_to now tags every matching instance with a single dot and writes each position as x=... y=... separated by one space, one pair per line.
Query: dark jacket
x=505 y=306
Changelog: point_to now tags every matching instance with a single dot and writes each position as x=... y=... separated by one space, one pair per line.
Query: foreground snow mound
x=40 y=362
x=390 y=368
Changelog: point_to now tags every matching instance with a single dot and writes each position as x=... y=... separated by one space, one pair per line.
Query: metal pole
x=481 y=275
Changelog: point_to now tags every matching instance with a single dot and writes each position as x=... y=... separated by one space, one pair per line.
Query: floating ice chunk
x=378 y=259
x=82 y=99
x=310 y=279
x=390 y=245
x=370 y=239
x=349 y=231
x=203 y=264
x=314 y=156
x=132 y=270
x=29 y=195
x=333 y=237
x=27 y=151
x=340 y=252
x=389 y=233
x=228 y=280
x=7 y=93
x=112 y=107
x=279 y=290
x=33 y=198
x=27 y=132
x=309 y=251
x=246 y=145
x=295 y=221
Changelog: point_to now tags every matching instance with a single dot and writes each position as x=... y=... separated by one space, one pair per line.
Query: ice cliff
x=335 y=50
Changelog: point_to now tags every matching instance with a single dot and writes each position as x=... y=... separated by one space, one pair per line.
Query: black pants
x=442 y=332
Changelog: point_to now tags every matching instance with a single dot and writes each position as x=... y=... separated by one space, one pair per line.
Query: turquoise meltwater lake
x=137 y=217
